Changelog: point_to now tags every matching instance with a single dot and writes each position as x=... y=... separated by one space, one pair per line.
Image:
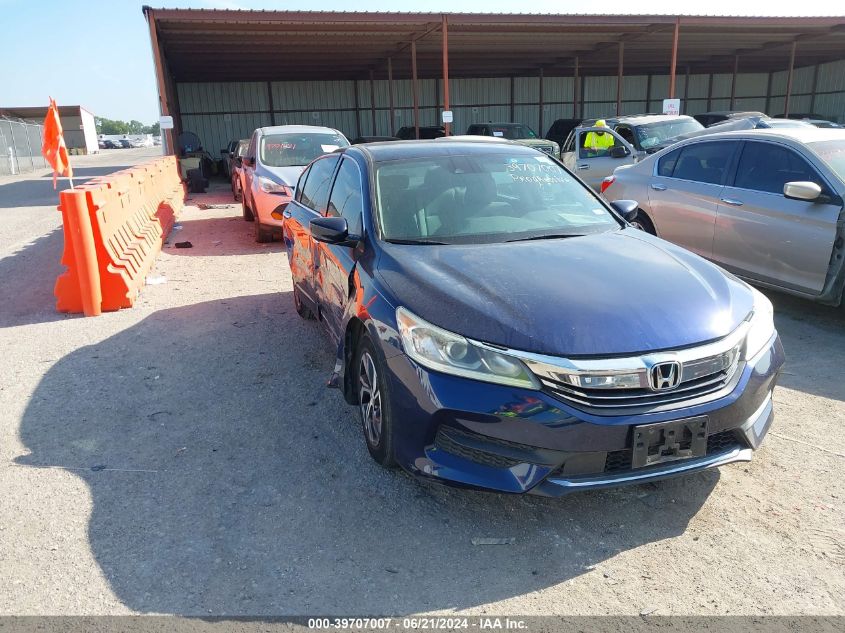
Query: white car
x=273 y=162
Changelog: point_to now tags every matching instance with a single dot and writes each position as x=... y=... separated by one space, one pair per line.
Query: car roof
x=297 y=129
x=807 y=134
x=729 y=112
x=643 y=119
x=396 y=150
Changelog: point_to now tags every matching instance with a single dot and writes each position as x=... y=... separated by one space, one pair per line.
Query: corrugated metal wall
x=219 y=112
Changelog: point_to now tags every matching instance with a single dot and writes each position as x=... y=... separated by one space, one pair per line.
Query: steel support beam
x=619 y=74
x=357 y=109
x=513 y=90
x=414 y=89
x=710 y=93
x=447 y=126
x=789 y=79
x=373 y=101
x=814 y=88
x=769 y=94
x=733 y=82
x=270 y=102
x=576 y=88
x=541 y=103
x=686 y=93
x=674 y=64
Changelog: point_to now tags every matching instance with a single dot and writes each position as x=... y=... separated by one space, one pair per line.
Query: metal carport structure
x=224 y=71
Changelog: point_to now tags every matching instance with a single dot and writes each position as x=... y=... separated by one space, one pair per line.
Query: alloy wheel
x=369 y=397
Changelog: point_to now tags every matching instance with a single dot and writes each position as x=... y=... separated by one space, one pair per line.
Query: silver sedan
x=764 y=204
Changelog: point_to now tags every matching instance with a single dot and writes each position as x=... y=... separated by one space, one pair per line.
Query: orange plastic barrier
x=114 y=227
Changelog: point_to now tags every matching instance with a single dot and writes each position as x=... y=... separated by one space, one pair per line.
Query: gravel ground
x=185 y=457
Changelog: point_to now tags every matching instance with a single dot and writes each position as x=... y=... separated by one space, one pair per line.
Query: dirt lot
x=185 y=457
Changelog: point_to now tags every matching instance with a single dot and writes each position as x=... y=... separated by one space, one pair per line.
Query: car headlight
x=269 y=186
x=440 y=350
x=762 y=325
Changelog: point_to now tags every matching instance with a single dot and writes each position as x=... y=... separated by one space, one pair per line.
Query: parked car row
x=500 y=324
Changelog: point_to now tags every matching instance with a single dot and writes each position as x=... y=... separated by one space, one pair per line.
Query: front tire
x=643 y=223
x=374 y=403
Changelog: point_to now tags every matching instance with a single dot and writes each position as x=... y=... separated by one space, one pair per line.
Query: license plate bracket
x=669 y=441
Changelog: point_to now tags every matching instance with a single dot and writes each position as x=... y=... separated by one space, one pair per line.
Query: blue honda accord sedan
x=500 y=326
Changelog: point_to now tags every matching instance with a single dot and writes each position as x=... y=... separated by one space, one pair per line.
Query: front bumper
x=467 y=433
x=265 y=203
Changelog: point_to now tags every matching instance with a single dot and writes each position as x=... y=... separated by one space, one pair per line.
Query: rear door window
x=704 y=162
x=315 y=189
x=666 y=164
x=768 y=167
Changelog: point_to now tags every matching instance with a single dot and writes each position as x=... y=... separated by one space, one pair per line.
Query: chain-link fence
x=20 y=146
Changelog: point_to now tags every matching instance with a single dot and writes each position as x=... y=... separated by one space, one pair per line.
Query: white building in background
x=80 y=131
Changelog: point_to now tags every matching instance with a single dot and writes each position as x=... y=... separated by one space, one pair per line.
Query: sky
x=96 y=53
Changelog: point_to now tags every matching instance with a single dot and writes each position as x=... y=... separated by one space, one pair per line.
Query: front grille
x=618 y=461
x=446 y=443
x=699 y=378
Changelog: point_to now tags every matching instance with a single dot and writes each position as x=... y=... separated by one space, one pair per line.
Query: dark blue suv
x=500 y=326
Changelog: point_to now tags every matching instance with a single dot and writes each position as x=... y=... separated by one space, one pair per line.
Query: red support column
x=674 y=64
x=414 y=89
x=164 y=106
x=445 y=29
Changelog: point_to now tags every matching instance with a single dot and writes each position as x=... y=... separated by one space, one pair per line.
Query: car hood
x=535 y=142
x=614 y=293
x=282 y=175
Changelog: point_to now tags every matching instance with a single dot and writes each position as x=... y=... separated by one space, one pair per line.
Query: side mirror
x=808 y=191
x=224 y=152
x=626 y=208
x=331 y=230
x=618 y=151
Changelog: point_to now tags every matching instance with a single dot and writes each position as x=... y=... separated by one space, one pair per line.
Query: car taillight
x=607 y=182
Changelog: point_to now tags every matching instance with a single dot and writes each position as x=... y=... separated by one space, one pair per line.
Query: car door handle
x=658 y=187
x=583 y=166
x=732 y=202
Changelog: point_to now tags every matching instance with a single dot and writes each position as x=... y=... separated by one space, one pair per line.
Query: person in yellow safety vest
x=597 y=141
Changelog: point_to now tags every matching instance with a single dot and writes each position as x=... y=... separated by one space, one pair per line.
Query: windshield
x=512 y=131
x=833 y=154
x=288 y=150
x=484 y=198
x=654 y=134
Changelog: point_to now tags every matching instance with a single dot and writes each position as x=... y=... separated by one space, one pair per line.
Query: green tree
x=113 y=126
x=109 y=126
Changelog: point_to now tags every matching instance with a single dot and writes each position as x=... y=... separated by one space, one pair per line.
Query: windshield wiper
x=420 y=241
x=553 y=236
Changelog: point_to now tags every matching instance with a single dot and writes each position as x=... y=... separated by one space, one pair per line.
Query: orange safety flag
x=53 y=148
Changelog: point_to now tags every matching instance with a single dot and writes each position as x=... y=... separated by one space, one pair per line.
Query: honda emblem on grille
x=665 y=376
